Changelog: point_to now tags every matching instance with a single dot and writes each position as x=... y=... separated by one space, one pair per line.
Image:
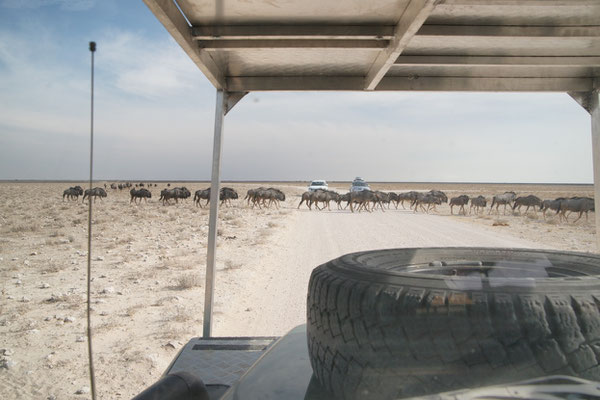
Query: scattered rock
x=99 y=258
x=18 y=282
x=172 y=344
x=51 y=397
x=48 y=319
x=26 y=262
x=104 y=313
x=25 y=299
x=83 y=390
x=107 y=290
x=9 y=297
x=80 y=339
x=44 y=285
x=6 y=352
x=34 y=331
x=6 y=363
x=14 y=259
x=33 y=253
x=69 y=319
x=248 y=309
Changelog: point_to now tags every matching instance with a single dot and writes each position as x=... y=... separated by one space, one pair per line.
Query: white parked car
x=358 y=185
x=318 y=185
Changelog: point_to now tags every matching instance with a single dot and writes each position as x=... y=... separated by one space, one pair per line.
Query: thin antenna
x=89 y=258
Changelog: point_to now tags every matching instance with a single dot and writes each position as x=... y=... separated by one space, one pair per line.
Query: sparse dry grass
x=21 y=228
x=230 y=265
x=132 y=310
x=53 y=268
x=188 y=281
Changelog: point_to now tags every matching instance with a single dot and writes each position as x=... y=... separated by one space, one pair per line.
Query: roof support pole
x=214 y=210
x=595 y=111
x=590 y=101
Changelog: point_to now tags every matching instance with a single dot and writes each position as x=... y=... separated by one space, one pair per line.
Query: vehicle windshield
x=318 y=183
x=359 y=184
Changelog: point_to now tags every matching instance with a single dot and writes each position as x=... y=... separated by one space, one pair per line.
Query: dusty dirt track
x=148 y=269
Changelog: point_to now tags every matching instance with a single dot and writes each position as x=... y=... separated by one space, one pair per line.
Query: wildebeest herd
x=369 y=200
x=366 y=200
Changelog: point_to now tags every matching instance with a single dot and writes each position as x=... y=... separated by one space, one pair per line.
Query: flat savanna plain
x=148 y=265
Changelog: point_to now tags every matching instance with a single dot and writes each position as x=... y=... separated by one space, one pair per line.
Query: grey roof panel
x=371 y=45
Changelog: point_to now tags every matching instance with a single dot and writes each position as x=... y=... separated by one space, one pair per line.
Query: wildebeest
x=439 y=194
x=576 y=204
x=362 y=198
x=478 y=202
x=318 y=196
x=431 y=198
x=551 y=205
x=263 y=195
x=175 y=193
x=380 y=198
x=140 y=194
x=407 y=196
x=426 y=198
x=305 y=198
x=201 y=195
x=343 y=197
x=506 y=198
x=113 y=186
x=323 y=196
x=73 y=193
x=226 y=194
x=459 y=201
x=529 y=201
x=95 y=192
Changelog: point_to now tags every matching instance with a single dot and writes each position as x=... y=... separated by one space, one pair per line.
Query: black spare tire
x=407 y=322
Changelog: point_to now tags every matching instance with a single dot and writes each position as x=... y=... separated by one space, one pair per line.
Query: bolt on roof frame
x=408 y=45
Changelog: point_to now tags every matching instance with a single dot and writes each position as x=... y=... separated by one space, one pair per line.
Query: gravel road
x=270 y=300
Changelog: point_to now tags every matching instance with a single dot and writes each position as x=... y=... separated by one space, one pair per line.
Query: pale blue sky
x=155 y=113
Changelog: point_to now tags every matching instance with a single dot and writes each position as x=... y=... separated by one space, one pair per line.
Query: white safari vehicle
x=448 y=323
x=358 y=185
x=318 y=185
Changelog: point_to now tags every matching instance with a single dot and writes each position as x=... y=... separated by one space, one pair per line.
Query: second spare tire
x=407 y=322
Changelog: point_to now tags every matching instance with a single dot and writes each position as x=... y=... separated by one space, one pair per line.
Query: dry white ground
x=148 y=273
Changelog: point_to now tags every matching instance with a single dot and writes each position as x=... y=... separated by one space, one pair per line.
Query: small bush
x=188 y=281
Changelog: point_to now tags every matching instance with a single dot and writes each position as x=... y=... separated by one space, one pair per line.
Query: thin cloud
x=157 y=71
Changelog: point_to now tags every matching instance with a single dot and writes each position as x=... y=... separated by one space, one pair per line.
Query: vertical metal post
x=214 y=210
x=595 y=112
x=89 y=255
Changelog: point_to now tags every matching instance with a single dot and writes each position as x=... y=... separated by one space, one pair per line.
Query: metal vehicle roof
x=440 y=45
